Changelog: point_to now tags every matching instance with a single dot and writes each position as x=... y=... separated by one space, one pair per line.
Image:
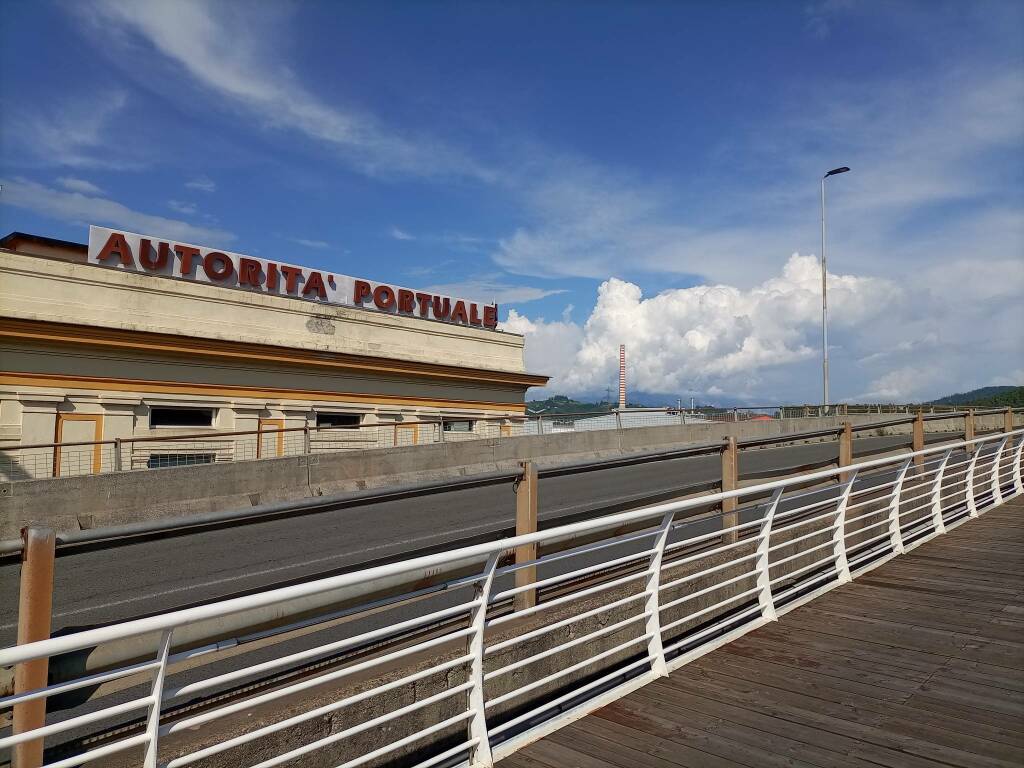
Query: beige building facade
x=89 y=353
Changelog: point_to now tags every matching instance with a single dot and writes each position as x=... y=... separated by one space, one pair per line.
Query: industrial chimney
x=622 y=376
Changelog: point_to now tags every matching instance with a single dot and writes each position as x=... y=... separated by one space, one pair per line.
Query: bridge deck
x=917 y=663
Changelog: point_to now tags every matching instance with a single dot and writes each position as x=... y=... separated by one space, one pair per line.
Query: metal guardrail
x=38 y=460
x=494 y=680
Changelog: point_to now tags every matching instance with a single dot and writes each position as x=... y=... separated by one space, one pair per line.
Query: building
x=133 y=342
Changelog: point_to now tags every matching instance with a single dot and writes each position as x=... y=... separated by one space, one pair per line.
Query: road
x=101 y=586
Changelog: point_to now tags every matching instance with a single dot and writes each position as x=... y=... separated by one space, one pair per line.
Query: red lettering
x=117 y=245
x=271 y=276
x=424 y=300
x=146 y=255
x=405 y=300
x=474 y=315
x=291 y=278
x=383 y=297
x=186 y=253
x=459 y=312
x=249 y=272
x=491 y=316
x=361 y=290
x=442 y=312
x=218 y=272
x=315 y=283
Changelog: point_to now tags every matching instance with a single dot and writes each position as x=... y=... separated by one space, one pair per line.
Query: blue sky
x=609 y=172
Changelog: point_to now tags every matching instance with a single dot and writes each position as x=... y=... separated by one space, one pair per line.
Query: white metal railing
x=642 y=593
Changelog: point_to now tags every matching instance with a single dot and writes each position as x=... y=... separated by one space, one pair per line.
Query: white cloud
x=709 y=337
x=76 y=207
x=488 y=289
x=548 y=345
x=73 y=132
x=317 y=244
x=400 y=234
x=906 y=384
x=182 y=207
x=79 y=185
x=202 y=183
x=226 y=49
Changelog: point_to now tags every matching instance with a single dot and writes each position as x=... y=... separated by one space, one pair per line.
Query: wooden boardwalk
x=917 y=663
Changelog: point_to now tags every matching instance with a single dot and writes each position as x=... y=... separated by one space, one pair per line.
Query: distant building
x=137 y=337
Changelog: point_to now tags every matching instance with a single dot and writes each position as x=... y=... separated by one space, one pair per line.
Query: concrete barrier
x=94 y=501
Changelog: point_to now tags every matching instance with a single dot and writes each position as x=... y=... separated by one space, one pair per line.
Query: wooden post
x=35 y=605
x=730 y=481
x=1008 y=425
x=845 y=450
x=526 y=523
x=969 y=428
x=918 y=439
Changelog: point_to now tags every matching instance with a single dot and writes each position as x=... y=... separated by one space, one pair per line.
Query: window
x=181 y=417
x=157 y=460
x=458 y=426
x=338 y=419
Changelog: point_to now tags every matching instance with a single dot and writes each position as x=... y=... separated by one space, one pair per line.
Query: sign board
x=148 y=255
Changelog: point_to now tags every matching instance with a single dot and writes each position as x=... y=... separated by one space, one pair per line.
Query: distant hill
x=988 y=396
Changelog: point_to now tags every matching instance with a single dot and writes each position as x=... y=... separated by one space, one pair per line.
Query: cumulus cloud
x=705 y=338
x=78 y=208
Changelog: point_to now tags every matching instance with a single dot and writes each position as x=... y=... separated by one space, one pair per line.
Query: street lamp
x=824 y=294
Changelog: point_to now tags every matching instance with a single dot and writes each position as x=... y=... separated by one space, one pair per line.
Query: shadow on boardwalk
x=918 y=663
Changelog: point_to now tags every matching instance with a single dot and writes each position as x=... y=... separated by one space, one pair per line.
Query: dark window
x=157 y=460
x=338 y=419
x=181 y=417
x=458 y=426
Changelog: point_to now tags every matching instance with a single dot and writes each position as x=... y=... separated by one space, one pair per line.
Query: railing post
x=895 y=534
x=997 y=493
x=35 y=606
x=839 y=533
x=730 y=480
x=761 y=564
x=540 y=425
x=481 y=755
x=117 y=454
x=618 y=420
x=972 y=506
x=153 y=718
x=526 y=523
x=969 y=428
x=652 y=606
x=937 y=522
x=307 y=441
x=845 y=450
x=918 y=439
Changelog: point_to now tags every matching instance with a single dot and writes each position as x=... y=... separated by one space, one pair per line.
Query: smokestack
x=622 y=376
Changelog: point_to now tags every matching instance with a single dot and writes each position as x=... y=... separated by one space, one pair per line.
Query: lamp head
x=834 y=171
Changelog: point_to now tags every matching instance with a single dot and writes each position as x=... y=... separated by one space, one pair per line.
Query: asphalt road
x=101 y=586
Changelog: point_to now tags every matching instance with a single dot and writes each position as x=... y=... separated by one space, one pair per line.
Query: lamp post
x=824 y=294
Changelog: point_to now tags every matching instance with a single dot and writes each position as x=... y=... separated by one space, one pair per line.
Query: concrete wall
x=75 y=503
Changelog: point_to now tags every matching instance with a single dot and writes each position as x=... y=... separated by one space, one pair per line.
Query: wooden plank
x=919 y=663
